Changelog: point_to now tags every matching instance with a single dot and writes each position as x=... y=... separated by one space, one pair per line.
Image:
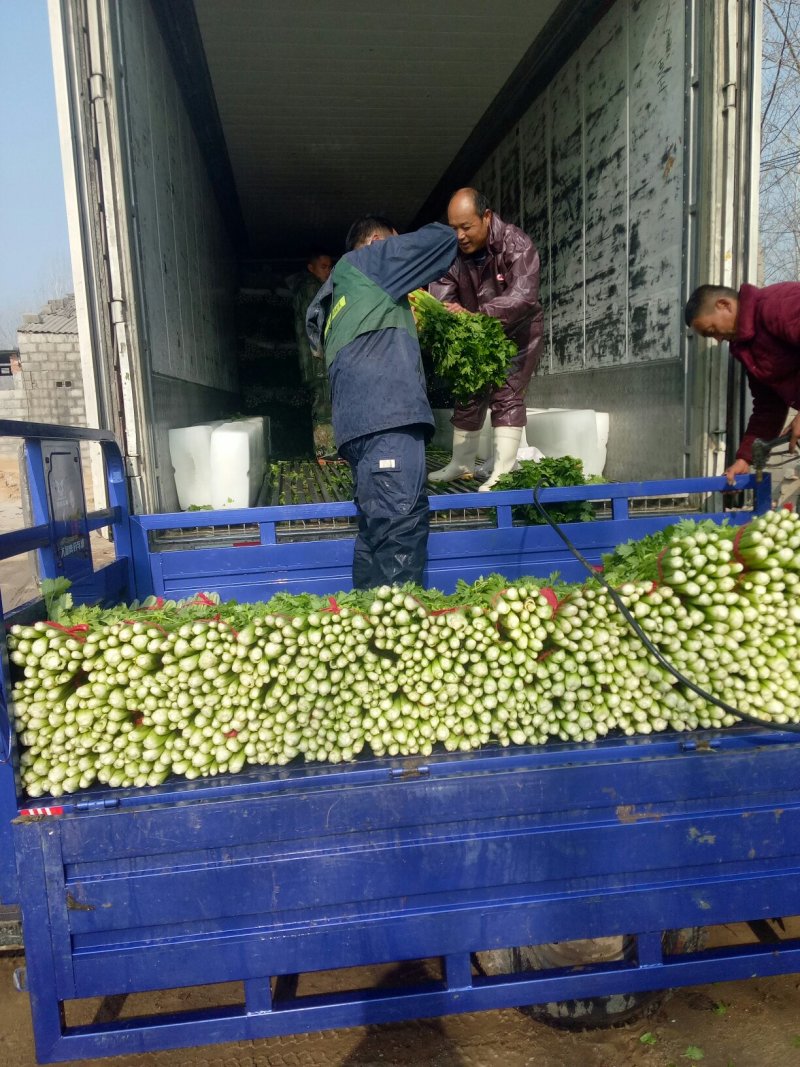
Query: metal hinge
x=728 y=96
x=97 y=87
x=95 y=805
x=133 y=467
x=117 y=308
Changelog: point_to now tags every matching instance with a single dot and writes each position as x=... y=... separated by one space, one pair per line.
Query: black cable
x=648 y=644
x=791 y=457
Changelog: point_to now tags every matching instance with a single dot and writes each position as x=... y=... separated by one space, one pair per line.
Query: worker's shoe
x=506 y=446
x=462 y=463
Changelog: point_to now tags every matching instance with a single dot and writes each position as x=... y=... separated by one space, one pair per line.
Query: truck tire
x=591 y=1012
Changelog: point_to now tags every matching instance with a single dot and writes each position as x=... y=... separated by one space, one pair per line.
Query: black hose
x=648 y=644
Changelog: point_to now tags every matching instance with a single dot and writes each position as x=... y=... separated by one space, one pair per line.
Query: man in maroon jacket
x=495 y=272
x=762 y=327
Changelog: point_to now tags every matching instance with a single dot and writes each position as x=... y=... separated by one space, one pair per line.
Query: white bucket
x=238 y=462
x=190 y=453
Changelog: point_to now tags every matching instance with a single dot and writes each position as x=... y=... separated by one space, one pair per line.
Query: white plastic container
x=238 y=462
x=603 y=430
x=564 y=432
x=572 y=430
x=593 y=464
x=190 y=453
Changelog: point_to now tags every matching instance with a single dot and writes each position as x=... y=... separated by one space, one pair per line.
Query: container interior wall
x=594 y=172
x=186 y=264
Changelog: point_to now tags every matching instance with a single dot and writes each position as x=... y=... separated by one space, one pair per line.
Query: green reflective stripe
x=340 y=303
x=360 y=306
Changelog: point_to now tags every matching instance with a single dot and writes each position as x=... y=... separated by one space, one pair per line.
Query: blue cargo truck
x=489 y=865
x=207 y=146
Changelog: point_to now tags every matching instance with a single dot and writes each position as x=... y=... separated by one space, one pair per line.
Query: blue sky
x=33 y=225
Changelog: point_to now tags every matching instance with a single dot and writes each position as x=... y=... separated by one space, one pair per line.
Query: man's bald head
x=469 y=215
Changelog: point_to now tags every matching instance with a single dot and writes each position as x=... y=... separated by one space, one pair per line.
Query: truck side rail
x=63 y=550
x=111 y=582
x=272 y=553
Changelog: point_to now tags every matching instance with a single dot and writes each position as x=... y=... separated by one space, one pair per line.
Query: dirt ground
x=744 y=1024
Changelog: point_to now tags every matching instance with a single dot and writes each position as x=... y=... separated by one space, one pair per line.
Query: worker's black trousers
x=393 y=517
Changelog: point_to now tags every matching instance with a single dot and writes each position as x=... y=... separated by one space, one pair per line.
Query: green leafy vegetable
x=550 y=472
x=694 y=1053
x=57 y=597
x=469 y=351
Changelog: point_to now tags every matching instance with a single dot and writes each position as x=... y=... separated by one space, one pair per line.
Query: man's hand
x=793 y=429
x=739 y=466
x=452 y=306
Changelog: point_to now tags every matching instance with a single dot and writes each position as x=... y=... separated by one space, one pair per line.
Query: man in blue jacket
x=362 y=320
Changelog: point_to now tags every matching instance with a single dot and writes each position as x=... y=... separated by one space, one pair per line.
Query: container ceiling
x=330 y=110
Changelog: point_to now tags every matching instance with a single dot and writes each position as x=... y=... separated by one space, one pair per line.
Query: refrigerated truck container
x=202 y=141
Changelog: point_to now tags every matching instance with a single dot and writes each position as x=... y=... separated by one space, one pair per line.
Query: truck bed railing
x=252 y=553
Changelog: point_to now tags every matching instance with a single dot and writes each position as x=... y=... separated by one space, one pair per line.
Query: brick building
x=51 y=365
x=41 y=380
x=13 y=401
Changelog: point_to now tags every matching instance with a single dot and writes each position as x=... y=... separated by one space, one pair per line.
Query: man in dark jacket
x=762 y=327
x=497 y=273
x=381 y=415
x=305 y=286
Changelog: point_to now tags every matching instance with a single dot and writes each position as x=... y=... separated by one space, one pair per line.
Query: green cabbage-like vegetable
x=469 y=351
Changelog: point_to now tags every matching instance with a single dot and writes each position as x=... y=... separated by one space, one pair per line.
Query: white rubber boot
x=462 y=462
x=506 y=444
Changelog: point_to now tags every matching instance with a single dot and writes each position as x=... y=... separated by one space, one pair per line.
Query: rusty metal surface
x=597 y=168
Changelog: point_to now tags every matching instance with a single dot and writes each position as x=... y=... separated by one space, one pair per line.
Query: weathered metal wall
x=187 y=267
x=594 y=172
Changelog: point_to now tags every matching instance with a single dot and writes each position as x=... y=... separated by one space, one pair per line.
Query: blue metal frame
x=109 y=584
x=457 y=857
x=255 y=571
x=275 y=872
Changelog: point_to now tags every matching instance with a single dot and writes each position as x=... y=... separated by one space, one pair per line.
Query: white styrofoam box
x=238 y=462
x=603 y=430
x=443 y=437
x=190 y=454
x=569 y=433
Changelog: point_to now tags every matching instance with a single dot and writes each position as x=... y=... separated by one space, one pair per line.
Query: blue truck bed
x=271 y=873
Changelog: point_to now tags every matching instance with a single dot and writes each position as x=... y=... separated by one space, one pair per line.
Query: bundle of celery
x=132 y=695
x=470 y=352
